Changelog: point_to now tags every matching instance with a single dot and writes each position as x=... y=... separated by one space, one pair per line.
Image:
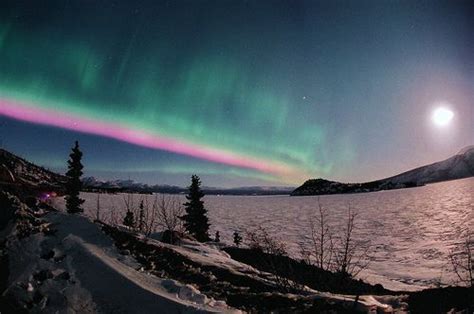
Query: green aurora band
x=205 y=98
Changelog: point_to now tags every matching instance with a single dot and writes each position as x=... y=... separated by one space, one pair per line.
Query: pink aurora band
x=23 y=112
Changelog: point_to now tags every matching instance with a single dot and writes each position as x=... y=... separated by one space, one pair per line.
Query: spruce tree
x=195 y=219
x=74 y=184
x=129 y=220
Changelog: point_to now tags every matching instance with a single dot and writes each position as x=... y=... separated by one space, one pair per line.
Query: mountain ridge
x=19 y=172
x=459 y=166
x=93 y=184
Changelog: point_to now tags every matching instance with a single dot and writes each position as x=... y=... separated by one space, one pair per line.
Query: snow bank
x=79 y=269
x=209 y=257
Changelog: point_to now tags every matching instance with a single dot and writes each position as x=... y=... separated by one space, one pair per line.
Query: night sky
x=239 y=92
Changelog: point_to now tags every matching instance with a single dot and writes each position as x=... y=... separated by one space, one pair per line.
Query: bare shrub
x=141 y=216
x=150 y=213
x=144 y=214
x=320 y=252
x=260 y=240
x=97 y=210
x=161 y=214
x=350 y=256
x=334 y=250
x=168 y=213
x=273 y=258
x=462 y=261
x=130 y=206
x=128 y=200
x=113 y=217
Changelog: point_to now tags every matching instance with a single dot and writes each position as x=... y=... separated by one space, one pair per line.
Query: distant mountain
x=250 y=190
x=93 y=184
x=16 y=171
x=459 y=166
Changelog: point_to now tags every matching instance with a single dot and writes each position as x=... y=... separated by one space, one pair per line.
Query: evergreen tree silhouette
x=129 y=220
x=237 y=238
x=74 y=184
x=195 y=219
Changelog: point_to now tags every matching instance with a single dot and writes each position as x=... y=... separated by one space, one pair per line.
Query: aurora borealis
x=241 y=92
x=48 y=117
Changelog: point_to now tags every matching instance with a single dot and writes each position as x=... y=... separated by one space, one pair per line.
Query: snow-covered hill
x=459 y=166
x=18 y=171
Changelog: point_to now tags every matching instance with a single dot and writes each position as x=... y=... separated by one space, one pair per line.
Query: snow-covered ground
x=80 y=269
x=411 y=231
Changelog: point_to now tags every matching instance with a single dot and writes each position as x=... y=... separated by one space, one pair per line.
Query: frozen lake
x=411 y=231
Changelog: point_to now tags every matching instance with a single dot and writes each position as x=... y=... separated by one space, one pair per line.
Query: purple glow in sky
x=27 y=113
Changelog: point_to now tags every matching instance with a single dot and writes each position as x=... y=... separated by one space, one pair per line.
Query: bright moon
x=442 y=116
